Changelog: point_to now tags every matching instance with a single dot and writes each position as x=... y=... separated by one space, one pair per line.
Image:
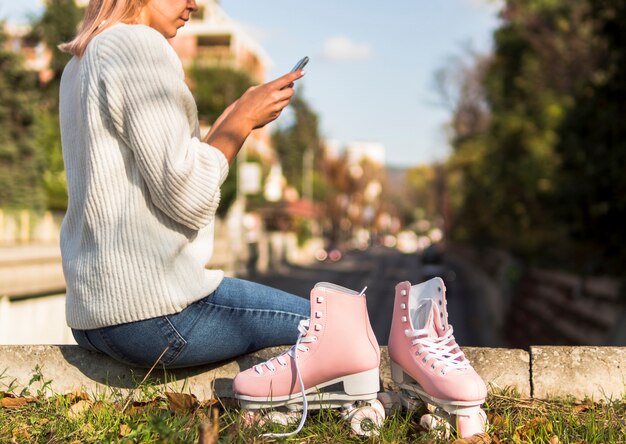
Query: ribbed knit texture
x=143 y=189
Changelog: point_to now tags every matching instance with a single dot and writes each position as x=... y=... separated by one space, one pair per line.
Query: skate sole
x=408 y=383
x=362 y=386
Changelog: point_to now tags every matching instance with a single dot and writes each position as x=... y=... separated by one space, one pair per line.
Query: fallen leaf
x=78 y=409
x=141 y=407
x=208 y=403
x=14 y=403
x=125 y=430
x=554 y=440
x=496 y=420
x=181 y=402
x=480 y=438
x=77 y=395
x=99 y=406
x=21 y=432
x=579 y=408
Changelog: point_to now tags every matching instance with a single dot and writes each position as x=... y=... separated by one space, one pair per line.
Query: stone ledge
x=598 y=372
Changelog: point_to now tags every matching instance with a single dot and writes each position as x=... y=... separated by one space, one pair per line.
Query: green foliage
x=57 y=25
x=21 y=160
x=592 y=186
x=293 y=141
x=542 y=177
x=215 y=88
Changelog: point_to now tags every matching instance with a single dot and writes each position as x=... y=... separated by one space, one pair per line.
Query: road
x=380 y=269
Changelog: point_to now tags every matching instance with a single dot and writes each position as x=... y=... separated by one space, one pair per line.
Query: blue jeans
x=237 y=318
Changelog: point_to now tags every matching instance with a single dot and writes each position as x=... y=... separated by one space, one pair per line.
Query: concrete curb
x=595 y=372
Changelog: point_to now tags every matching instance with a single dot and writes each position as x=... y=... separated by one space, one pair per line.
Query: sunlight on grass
x=153 y=415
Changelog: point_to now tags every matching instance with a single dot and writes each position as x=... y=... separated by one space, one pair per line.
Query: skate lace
x=303 y=328
x=444 y=350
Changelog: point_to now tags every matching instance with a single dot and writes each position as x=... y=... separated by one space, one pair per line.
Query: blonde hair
x=100 y=15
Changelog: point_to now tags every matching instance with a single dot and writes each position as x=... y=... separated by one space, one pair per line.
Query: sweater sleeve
x=152 y=110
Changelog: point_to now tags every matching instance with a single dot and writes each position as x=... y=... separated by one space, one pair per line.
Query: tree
x=58 y=24
x=21 y=160
x=214 y=89
x=592 y=148
x=297 y=140
x=544 y=51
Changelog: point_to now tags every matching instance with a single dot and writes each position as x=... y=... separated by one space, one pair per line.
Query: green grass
x=151 y=415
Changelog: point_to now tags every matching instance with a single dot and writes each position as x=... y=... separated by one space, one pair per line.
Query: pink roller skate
x=334 y=363
x=427 y=363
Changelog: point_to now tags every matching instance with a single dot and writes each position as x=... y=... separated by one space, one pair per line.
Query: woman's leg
x=238 y=318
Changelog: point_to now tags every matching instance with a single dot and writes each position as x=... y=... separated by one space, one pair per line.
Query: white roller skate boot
x=334 y=363
x=427 y=363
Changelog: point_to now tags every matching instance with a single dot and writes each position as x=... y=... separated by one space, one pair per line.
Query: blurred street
x=380 y=269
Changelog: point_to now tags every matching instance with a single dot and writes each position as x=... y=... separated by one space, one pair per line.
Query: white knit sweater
x=143 y=188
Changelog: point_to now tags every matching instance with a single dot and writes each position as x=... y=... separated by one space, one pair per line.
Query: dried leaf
x=208 y=403
x=125 y=430
x=579 y=408
x=496 y=420
x=99 y=406
x=77 y=395
x=481 y=438
x=182 y=403
x=78 y=409
x=11 y=402
x=554 y=440
x=21 y=432
x=141 y=407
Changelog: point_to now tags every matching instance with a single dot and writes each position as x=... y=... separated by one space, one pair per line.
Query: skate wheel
x=390 y=402
x=470 y=425
x=380 y=408
x=249 y=418
x=280 y=418
x=365 y=421
x=436 y=424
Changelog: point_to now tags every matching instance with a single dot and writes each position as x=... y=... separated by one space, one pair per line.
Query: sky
x=372 y=63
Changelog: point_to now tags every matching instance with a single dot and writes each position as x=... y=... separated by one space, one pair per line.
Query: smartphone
x=301 y=64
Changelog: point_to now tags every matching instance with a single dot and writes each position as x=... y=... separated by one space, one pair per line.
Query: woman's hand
x=260 y=105
x=257 y=107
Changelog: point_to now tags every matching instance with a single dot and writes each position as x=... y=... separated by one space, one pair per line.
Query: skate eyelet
x=320 y=299
x=403 y=306
x=439 y=289
x=306 y=349
x=424 y=359
x=440 y=303
x=403 y=292
x=318 y=327
x=432 y=366
x=318 y=314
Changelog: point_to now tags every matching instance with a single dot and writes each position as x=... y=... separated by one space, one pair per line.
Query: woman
x=143 y=189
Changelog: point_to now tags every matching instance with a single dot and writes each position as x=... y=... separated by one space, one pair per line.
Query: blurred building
x=359 y=151
x=35 y=54
x=212 y=39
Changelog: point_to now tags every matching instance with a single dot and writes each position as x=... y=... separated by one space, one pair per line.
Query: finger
x=282 y=94
x=282 y=103
x=284 y=80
